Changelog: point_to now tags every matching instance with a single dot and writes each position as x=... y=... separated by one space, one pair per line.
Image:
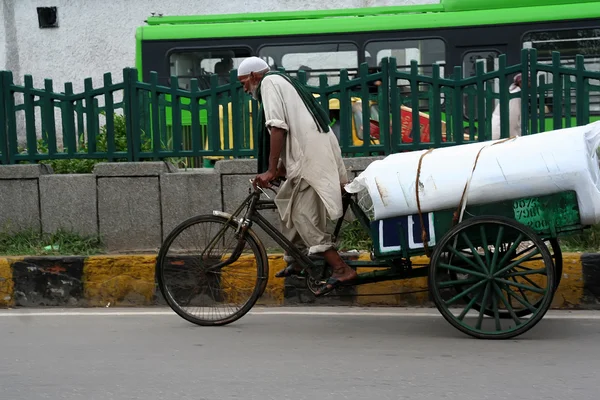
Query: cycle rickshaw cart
x=492 y=273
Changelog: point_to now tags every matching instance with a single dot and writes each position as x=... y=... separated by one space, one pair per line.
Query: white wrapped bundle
x=533 y=165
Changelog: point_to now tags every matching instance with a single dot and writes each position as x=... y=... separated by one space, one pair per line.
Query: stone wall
x=132 y=206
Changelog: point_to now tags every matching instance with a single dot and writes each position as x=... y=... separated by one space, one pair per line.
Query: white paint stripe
x=555 y=314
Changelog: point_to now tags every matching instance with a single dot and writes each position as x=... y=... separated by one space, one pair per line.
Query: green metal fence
x=407 y=110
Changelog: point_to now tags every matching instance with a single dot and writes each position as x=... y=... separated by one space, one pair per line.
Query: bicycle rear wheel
x=192 y=282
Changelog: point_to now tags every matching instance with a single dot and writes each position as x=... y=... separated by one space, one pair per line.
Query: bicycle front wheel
x=193 y=283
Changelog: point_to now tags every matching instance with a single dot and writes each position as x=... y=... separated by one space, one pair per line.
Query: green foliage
x=86 y=165
x=60 y=243
x=354 y=237
x=586 y=241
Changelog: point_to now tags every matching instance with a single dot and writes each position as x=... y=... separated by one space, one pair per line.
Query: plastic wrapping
x=533 y=165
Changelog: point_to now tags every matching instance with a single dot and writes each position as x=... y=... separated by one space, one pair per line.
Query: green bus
x=452 y=33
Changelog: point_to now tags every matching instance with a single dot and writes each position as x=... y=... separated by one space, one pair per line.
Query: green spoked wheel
x=524 y=247
x=480 y=265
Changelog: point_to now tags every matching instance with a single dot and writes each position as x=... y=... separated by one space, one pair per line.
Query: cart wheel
x=483 y=265
x=558 y=261
x=556 y=254
x=197 y=290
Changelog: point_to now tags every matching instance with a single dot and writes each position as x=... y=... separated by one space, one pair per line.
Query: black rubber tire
x=262 y=263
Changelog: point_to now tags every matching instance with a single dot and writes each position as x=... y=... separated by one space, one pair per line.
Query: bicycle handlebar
x=275 y=182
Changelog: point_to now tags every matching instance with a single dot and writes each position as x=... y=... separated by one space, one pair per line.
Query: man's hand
x=264 y=180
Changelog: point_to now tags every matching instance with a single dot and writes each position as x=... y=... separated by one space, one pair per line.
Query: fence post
x=504 y=98
x=129 y=111
x=109 y=109
x=48 y=120
x=557 y=105
x=581 y=94
x=525 y=96
x=4 y=157
x=534 y=128
x=345 y=112
x=414 y=104
x=70 y=137
x=435 y=114
x=394 y=106
x=384 y=108
x=457 y=120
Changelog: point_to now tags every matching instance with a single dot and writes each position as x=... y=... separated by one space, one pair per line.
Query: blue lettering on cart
x=391 y=231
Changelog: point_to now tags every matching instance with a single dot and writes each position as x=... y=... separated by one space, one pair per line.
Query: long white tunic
x=308 y=153
x=514 y=119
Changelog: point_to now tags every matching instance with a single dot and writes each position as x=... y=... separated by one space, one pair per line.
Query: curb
x=129 y=281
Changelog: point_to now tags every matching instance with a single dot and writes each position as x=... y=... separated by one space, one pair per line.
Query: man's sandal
x=330 y=285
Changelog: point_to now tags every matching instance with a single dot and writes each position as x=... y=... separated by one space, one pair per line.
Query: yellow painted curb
x=119 y=280
x=237 y=281
x=274 y=293
x=6 y=283
x=128 y=280
x=406 y=285
x=570 y=291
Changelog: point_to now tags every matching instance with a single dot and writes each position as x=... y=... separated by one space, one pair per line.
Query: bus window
x=314 y=59
x=569 y=43
x=489 y=58
x=426 y=52
x=200 y=64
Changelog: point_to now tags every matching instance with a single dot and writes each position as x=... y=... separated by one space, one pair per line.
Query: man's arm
x=277 y=140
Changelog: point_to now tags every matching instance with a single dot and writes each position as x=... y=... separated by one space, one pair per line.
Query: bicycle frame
x=254 y=205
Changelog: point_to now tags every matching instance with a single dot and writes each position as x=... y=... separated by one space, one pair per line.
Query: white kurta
x=308 y=154
x=514 y=116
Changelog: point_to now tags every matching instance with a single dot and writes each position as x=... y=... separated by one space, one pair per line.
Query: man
x=514 y=112
x=303 y=149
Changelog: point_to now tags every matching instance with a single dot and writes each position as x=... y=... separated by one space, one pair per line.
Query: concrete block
x=186 y=194
x=235 y=190
x=229 y=167
x=129 y=213
x=19 y=205
x=30 y=171
x=133 y=168
x=69 y=202
x=359 y=163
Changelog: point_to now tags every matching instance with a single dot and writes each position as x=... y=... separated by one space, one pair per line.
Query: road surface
x=290 y=353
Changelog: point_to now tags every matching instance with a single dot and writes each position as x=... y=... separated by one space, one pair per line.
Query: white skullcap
x=252 y=64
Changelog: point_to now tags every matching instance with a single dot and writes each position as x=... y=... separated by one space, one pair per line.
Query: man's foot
x=292 y=269
x=339 y=277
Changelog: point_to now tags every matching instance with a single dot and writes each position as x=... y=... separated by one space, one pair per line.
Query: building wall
x=95 y=37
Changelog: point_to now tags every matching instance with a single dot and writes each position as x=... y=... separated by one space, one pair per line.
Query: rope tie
x=458 y=214
x=424 y=237
x=462 y=205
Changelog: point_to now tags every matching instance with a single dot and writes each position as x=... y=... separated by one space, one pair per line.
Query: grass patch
x=61 y=243
x=586 y=241
x=354 y=237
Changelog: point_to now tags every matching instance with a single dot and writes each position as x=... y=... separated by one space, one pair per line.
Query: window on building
x=200 y=64
x=569 y=43
x=47 y=17
x=314 y=59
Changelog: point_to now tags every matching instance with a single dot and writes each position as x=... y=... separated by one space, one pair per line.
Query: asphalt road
x=297 y=353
